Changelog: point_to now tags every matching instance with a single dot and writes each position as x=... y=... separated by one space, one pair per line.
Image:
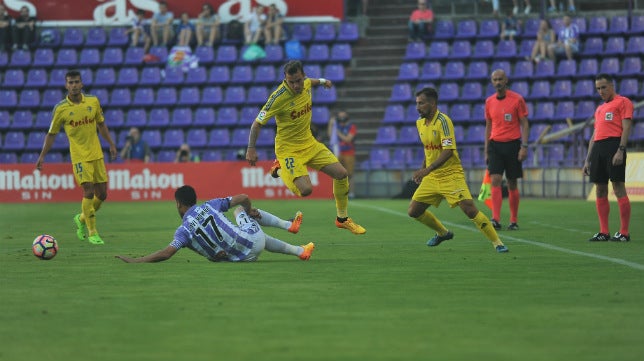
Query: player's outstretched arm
x=158 y=256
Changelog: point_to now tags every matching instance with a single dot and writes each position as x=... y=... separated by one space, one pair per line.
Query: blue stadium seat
x=151 y=136
x=523 y=69
x=324 y=33
x=461 y=50
x=320 y=115
x=219 y=74
x=334 y=72
x=150 y=76
x=597 y=25
x=181 y=117
x=540 y=90
x=226 y=54
x=13 y=78
x=173 y=138
x=43 y=119
x=234 y=95
x=477 y=70
x=165 y=156
x=118 y=37
x=22 y=58
x=318 y=53
x=635 y=45
x=592 y=46
x=408 y=71
x=29 y=98
x=500 y=64
x=196 y=76
x=189 y=96
x=105 y=77
x=394 y=113
x=5 y=121
x=588 y=68
x=14 y=140
x=128 y=76
x=506 y=49
x=401 y=93
x=211 y=156
x=615 y=46
x=51 y=97
x=341 y=52
x=266 y=137
x=472 y=92
x=212 y=95
x=415 y=51
x=566 y=69
x=96 y=38
x=219 y=138
x=454 y=70
x=8 y=157
x=242 y=74
x=22 y=120
x=321 y=95
x=227 y=116
x=44 y=57
x=408 y=134
x=239 y=137
x=348 y=32
x=545 y=69
x=158 y=118
x=438 y=50
x=120 y=97
x=302 y=32
x=443 y=29
x=274 y=54
x=166 y=96
x=313 y=70
x=466 y=29
x=475 y=134
x=73 y=37
x=173 y=76
x=489 y=29
x=114 y=118
x=257 y=94
x=61 y=143
x=265 y=74
x=197 y=138
x=460 y=112
x=386 y=135
x=609 y=65
x=562 y=89
x=143 y=96
x=204 y=117
x=637 y=25
x=134 y=56
x=525 y=49
x=89 y=57
x=160 y=53
x=632 y=66
x=113 y=57
x=584 y=89
x=206 y=55
x=565 y=110
x=136 y=117
x=629 y=87
x=544 y=111
x=530 y=28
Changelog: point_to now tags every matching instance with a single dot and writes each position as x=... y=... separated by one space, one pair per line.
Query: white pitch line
x=560 y=228
x=620 y=261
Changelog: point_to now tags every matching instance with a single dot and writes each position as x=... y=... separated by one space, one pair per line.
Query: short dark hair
x=72 y=73
x=293 y=66
x=604 y=76
x=186 y=196
x=430 y=93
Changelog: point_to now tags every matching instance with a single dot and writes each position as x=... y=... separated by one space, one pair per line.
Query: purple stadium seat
x=459 y=133
x=525 y=49
x=530 y=28
x=588 y=68
x=465 y=29
x=324 y=33
x=489 y=29
x=478 y=112
x=136 y=117
x=540 y=90
x=460 y=112
x=8 y=158
x=334 y=72
x=520 y=87
x=500 y=64
x=151 y=136
x=257 y=94
x=302 y=32
x=211 y=156
x=73 y=38
x=54 y=157
x=313 y=70
x=401 y=93
x=4 y=59
x=448 y=91
x=219 y=138
x=29 y=98
x=189 y=96
x=118 y=37
x=43 y=119
x=206 y=55
x=181 y=117
x=637 y=25
x=219 y=74
x=584 y=89
x=133 y=56
x=472 y=92
x=475 y=134
x=166 y=156
x=161 y=52
x=49 y=38
x=631 y=66
x=51 y=97
x=173 y=138
x=197 y=137
x=321 y=95
x=443 y=29
x=543 y=112
x=212 y=95
x=593 y=46
x=143 y=96
x=114 y=118
x=113 y=57
x=319 y=115
x=166 y=96
x=408 y=71
x=431 y=70
x=242 y=74
x=274 y=54
x=158 y=118
x=5 y=121
x=341 y=52
x=128 y=76
x=266 y=137
x=378 y=158
x=454 y=70
x=386 y=135
x=506 y=49
x=638 y=132
x=545 y=69
x=105 y=77
x=29 y=157
x=318 y=53
x=239 y=137
x=14 y=140
x=120 y=97
x=477 y=70
x=618 y=25
x=565 y=110
x=235 y=95
x=562 y=89
x=227 y=116
x=226 y=54
x=173 y=76
x=628 y=87
x=523 y=69
x=438 y=50
x=22 y=120
x=566 y=69
x=196 y=76
x=461 y=50
x=609 y=65
x=96 y=38
x=61 y=143
x=411 y=114
x=402 y=158
x=348 y=32
x=597 y=25
x=394 y=113
x=44 y=57
x=204 y=117
x=21 y=59
x=89 y=57
x=265 y=74
x=150 y=76
x=13 y=78
x=87 y=75
x=557 y=127
x=635 y=45
x=408 y=134
x=415 y=51
x=614 y=46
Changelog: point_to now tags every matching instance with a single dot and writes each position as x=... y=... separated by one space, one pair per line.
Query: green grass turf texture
x=380 y=296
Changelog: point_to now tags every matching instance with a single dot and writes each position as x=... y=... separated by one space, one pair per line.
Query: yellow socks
x=89 y=214
x=484 y=225
x=341 y=195
x=430 y=220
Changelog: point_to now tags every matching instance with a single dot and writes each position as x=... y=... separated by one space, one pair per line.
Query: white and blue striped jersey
x=207 y=231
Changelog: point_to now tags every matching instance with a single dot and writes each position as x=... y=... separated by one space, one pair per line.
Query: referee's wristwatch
x=622 y=148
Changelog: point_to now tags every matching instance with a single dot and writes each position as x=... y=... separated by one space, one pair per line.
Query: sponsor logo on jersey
x=298 y=113
x=446 y=142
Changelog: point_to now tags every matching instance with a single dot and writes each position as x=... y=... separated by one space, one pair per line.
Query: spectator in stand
x=567 y=40
x=273 y=28
x=526 y=10
x=140 y=34
x=509 y=27
x=421 y=22
x=185 y=29
x=207 y=23
x=5 y=27
x=135 y=149
x=254 y=25
x=184 y=155
x=606 y=158
x=553 y=6
x=161 y=26
x=342 y=135
x=24 y=29
x=545 y=37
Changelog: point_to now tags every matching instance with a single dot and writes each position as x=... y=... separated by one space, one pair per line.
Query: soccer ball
x=45 y=247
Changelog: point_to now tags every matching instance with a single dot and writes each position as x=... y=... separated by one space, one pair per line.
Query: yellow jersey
x=436 y=135
x=79 y=121
x=292 y=114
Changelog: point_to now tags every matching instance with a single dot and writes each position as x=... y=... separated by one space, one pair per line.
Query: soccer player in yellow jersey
x=295 y=146
x=442 y=176
x=80 y=115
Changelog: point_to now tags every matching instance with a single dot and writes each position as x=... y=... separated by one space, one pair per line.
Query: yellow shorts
x=432 y=190
x=93 y=171
x=294 y=162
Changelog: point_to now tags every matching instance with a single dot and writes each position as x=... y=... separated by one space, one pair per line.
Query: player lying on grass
x=207 y=231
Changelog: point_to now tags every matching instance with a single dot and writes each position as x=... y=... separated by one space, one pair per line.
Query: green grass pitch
x=381 y=296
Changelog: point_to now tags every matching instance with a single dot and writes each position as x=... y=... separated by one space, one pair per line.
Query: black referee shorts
x=504 y=157
x=601 y=162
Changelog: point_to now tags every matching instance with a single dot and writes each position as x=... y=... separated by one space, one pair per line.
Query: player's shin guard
x=89 y=214
x=341 y=195
x=96 y=202
x=624 y=214
x=485 y=226
x=430 y=220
